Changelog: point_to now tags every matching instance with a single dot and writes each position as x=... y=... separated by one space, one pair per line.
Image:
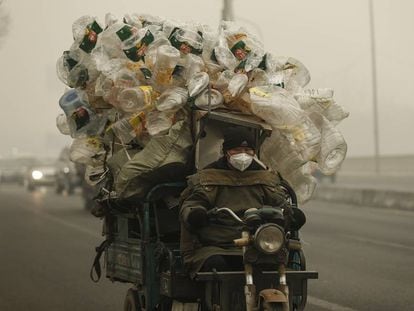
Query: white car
x=43 y=175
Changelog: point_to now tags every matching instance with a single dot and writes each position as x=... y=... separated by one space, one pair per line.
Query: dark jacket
x=222 y=187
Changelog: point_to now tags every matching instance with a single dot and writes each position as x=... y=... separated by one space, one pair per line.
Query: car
x=40 y=175
x=67 y=176
x=12 y=169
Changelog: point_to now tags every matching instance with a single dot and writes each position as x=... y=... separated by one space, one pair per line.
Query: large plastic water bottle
x=79 y=115
x=198 y=83
x=167 y=59
x=333 y=146
x=62 y=124
x=172 y=99
x=302 y=181
x=134 y=99
x=129 y=128
x=86 y=150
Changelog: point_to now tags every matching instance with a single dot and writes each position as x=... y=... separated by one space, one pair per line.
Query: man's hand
x=197 y=217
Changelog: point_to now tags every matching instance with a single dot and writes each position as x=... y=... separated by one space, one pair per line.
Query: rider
x=238 y=181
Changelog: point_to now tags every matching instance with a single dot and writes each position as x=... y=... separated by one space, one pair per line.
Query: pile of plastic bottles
x=135 y=78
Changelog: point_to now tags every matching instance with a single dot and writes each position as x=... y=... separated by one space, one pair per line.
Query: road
x=364 y=256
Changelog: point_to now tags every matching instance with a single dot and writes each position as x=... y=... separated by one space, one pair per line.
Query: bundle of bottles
x=133 y=79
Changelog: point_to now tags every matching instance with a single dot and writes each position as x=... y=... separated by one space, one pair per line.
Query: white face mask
x=241 y=161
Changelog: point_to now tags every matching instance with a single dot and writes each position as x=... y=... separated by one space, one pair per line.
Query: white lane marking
x=327 y=305
x=70 y=225
x=376 y=242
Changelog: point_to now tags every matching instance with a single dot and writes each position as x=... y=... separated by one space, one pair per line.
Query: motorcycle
x=265 y=241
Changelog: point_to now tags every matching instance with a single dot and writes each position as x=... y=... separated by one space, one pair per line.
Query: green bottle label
x=91 y=36
x=183 y=46
x=240 y=67
x=262 y=64
x=240 y=50
x=68 y=61
x=137 y=52
x=124 y=33
x=146 y=72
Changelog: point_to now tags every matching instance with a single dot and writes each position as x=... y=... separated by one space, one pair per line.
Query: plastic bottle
x=133 y=20
x=276 y=106
x=85 y=32
x=110 y=19
x=303 y=182
x=134 y=42
x=333 y=146
x=135 y=99
x=129 y=128
x=187 y=41
x=335 y=113
x=142 y=72
x=321 y=101
x=237 y=84
x=76 y=68
x=62 y=124
x=258 y=77
x=222 y=54
x=198 y=83
x=209 y=99
x=81 y=119
x=94 y=174
x=279 y=154
x=223 y=80
x=115 y=84
x=172 y=99
x=167 y=59
x=86 y=150
x=193 y=64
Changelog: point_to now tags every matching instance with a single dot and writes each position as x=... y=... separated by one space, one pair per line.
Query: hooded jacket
x=219 y=186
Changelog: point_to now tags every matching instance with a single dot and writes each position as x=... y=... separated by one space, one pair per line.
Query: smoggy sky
x=331 y=37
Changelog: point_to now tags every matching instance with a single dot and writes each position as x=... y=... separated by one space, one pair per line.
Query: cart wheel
x=297 y=261
x=131 y=302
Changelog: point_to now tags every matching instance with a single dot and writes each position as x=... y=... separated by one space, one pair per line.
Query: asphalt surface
x=364 y=256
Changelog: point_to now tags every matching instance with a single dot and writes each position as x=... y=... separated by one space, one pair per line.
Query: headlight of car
x=36 y=175
x=269 y=238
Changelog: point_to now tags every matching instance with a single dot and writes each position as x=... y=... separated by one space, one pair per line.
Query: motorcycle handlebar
x=217 y=210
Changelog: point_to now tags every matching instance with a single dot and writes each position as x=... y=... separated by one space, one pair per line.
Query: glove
x=197 y=217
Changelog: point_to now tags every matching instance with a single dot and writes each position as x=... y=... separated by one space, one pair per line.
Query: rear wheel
x=131 y=302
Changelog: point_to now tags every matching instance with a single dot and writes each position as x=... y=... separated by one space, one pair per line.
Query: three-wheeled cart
x=142 y=246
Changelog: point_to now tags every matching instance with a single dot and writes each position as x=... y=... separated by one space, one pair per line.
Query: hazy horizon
x=332 y=38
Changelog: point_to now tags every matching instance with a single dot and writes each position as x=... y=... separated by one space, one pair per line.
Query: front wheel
x=131 y=302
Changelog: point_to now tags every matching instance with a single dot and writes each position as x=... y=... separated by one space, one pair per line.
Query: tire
x=297 y=261
x=131 y=302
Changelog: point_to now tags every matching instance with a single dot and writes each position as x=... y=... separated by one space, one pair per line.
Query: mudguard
x=272 y=295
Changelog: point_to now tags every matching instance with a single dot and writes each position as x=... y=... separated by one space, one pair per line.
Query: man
x=238 y=181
